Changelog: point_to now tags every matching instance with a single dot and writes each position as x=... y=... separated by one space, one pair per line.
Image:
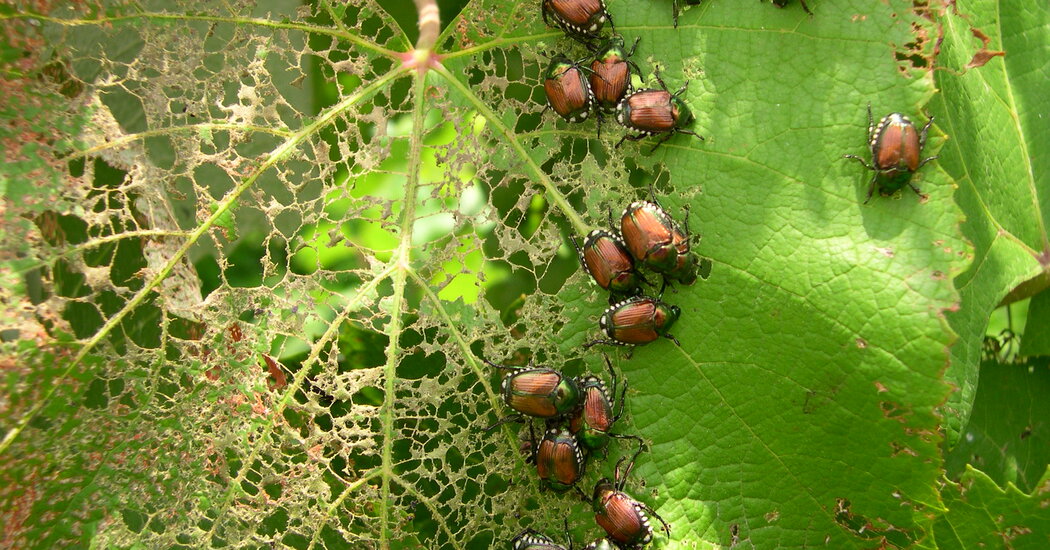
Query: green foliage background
x=252 y=256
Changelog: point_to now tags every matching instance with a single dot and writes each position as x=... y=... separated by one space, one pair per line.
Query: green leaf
x=995 y=115
x=1036 y=339
x=313 y=378
x=1008 y=436
x=983 y=515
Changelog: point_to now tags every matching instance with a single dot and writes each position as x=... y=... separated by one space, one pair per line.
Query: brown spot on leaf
x=861 y=343
x=983 y=55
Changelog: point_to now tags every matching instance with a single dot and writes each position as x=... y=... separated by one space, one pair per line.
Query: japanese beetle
x=656 y=240
x=636 y=321
x=611 y=73
x=625 y=520
x=604 y=255
x=559 y=460
x=653 y=112
x=782 y=3
x=580 y=19
x=895 y=150
x=594 y=418
x=532 y=540
x=539 y=392
x=568 y=91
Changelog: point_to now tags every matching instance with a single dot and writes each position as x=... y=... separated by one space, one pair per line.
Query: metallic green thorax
x=559 y=64
x=685 y=116
x=612 y=50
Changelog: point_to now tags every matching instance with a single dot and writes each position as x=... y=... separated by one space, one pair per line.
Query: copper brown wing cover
x=652 y=111
x=578 y=12
x=566 y=92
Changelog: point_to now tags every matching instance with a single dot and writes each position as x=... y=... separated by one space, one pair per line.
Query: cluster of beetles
x=579 y=412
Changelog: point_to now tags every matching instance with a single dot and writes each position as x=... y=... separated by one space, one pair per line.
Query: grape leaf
x=262 y=312
x=1002 y=189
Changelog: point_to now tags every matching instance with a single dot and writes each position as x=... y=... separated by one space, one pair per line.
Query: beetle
x=530 y=539
x=611 y=75
x=782 y=3
x=595 y=416
x=606 y=258
x=538 y=392
x=580 y=19
x=674 y=9
x=637 y=321
x=559 y=460
x=895 y=150
x=656 y=240
x=625 y=520
x=568 y=91
x=652 y=112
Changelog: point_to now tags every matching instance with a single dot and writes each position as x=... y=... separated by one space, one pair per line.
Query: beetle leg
x=871 y=123
x=623 y=401
x=599 y=118
x=871 y=188
x=641 y=442
x=860 y=160
x=674 y=12
x=925 y=160
x=608 y=342
x=922 y=134
x=805 y=7
x=568 y=535
x=612 y=375
x=630 y=137
x=534 y=447
x=673 y=339
x=667 y=526
x=634 y=46
x=692 y=133
x=656 y=73
x=662 y=140
x=916 y=189
x=622 y=480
